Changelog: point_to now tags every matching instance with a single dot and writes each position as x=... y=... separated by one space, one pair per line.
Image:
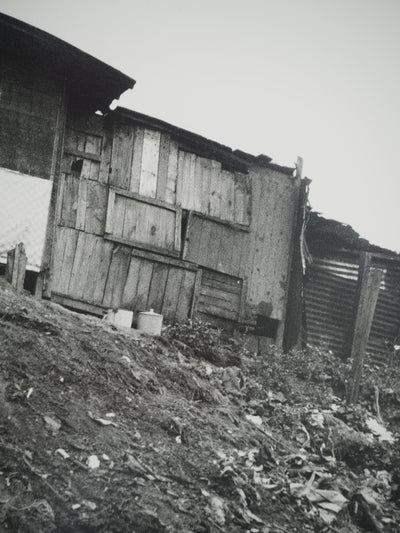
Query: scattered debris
x=93 y=462
x=259 y=445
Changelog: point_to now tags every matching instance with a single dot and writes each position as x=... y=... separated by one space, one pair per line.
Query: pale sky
x=315 y=78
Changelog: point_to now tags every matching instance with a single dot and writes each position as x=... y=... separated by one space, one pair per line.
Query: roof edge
x=236 y=157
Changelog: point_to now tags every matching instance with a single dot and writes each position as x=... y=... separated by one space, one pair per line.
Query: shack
x=143 y=214
x=336 y=252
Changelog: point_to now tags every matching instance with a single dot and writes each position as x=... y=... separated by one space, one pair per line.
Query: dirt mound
x=103 y=430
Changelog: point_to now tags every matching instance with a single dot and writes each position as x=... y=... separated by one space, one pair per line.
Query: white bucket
x=121 y=317
x=150 y=322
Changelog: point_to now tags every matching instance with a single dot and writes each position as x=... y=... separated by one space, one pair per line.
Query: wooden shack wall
x=30 y=108
x=275 y=203
x=123 y=191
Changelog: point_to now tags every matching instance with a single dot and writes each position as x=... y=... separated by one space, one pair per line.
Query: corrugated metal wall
x=330 y=291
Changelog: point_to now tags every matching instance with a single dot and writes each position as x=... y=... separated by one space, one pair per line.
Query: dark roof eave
x=80 y=67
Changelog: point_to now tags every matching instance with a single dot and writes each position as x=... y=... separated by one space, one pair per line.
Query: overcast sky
x=315 y=78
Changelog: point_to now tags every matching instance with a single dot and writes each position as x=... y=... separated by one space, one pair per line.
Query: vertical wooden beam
x=364 y=265
x=368 y=296
x=110 y=212
x=16 y=265
x=49 y=247
x=299 y=167
x=243 y=300
x=196 y=293
x=294 y=332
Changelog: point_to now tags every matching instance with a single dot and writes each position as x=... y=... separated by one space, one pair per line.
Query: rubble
x=147 y=435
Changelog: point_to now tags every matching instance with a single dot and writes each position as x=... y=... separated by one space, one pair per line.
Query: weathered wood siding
x=126 y=187
x=30 y=105
x=215 y=245
x=135 y=220
x=220 y=296
x=275 y=199
x=89 y=269
x=203 y=186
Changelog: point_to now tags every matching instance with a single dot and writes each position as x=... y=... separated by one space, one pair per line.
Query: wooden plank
x=243 y=301
x=82 y=277
x=186 y=180
x=172 y=291
x=214 y=245
x=178 y=232
x=119 y=215
x=193 y=188
x=96 y=208
x=110 y=212
x=180 y=178
x=227 y=249
x=71 y=238
x=230 y=196
x=105 y=162
x=82 y=203
x=87 y=171
x=225 y=178
x=142 y=294
x=209 y=309
x=93 y=269
x=131 y=284
x=150 y=256
x=233 y=287
x=116 y=277
x=78 y=266
x=206 y=302
x=121 y=156
x=163 y=167
x=150 y=158
x=68 y=198
x=205 y=184
x=103 y=267
x=198 y=185
x=132 y=222
x=58 y=256
x=157 y=287
x=172 y=174
x=137 y=160
x=196 y=293
x=93 y=144
x=81 y=306
x=142 y=246
x=370 y=285
x=199 y=253
x=215 y=189
x=81 y=154
x=60 y=195
x=150 y=201
x=242 y=198
x=186 y=296
x=145 y=224
x=15 y=267
x=229 y=298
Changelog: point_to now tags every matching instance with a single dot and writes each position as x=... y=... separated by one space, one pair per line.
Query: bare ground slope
x=102 y=431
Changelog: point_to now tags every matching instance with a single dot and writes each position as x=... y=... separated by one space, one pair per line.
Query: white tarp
x=24 y=206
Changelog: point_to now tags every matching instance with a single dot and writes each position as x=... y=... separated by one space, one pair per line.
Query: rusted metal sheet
x=329 y=300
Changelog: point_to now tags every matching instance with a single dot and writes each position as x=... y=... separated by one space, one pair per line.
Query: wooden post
x=16 y=265
x=369 y=283
x=294 y=335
